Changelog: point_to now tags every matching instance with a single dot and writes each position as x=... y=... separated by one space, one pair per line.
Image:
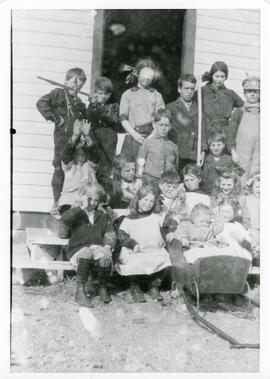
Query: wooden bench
x=44 y=248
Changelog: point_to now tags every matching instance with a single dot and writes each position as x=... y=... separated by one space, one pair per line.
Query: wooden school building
x=49 y=42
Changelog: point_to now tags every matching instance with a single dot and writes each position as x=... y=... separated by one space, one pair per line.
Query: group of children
x=176 y=203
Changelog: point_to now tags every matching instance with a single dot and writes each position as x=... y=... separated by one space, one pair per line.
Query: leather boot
x=154 y=290
x=136 y=293
x=104 y=294
x=103 y=277
x=83 y=271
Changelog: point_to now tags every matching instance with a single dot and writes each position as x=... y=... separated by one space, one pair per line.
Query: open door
x=131 y=34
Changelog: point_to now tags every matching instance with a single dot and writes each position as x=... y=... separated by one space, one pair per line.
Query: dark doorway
x=131 y=34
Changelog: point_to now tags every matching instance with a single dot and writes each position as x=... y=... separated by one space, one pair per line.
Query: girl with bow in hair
x=138 y=105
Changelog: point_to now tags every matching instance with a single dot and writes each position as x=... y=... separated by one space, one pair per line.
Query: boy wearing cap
x=243 y=133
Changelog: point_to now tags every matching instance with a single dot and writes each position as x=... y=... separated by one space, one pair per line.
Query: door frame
x=188 y=44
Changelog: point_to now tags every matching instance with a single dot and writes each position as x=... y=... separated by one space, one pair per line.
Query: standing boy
x=185 y=122
x=244 y=130
x=62 y=107
x=104 y=116
x=157 y=154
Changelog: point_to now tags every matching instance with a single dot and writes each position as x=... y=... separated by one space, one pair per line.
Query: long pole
x=199 y=143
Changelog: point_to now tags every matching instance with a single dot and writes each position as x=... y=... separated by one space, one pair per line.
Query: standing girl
x=137 y=107
x=218 y=101
x=143 y=249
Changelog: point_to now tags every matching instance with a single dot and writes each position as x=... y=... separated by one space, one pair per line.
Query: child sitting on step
x=91 y=243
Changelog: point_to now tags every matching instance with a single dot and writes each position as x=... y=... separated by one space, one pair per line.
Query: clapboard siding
x=45 y=43
x=232 y=36
x=28 y=178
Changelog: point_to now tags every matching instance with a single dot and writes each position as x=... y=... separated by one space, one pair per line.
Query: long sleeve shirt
x=185 y=129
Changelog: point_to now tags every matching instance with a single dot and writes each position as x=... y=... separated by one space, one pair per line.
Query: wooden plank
x=54 y=27
x=39 y=65
x=242 y=15
x=51 y=53
x=216 y=23
x=189 y=40
x=228 y=36
x=23 y=165
x=236 y=62
x=64 y=15
x=25 y=101
x=26 y=127
x=29 y=178
x=228 y=49
x=44 y=236
x=32 y=205
x=25 y=140
x=49 y=265
x=43 y=39
x=34 y=191
x=35 y=153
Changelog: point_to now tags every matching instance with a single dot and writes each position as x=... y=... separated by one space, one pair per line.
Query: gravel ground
x=48 y=335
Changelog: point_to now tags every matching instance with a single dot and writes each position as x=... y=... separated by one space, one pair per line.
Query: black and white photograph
x=135 y=170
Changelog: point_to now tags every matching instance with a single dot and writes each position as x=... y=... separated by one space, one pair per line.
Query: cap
x=252 y=82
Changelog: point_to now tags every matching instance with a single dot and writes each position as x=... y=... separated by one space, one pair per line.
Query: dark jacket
x=212 y=169
x=232 y=128
x=83 y=233
x=185 y=129
x=92 y=153
x=218 y=105
x=56 y=104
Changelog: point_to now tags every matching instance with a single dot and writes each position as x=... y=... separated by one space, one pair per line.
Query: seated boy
x=157 y=154
x=62 y=107
x=216 y=161
x=104 y=118
x=91 y=243
x=185 y=122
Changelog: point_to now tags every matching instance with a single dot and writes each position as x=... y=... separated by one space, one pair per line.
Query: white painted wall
x=45 y=43
x=232 y=36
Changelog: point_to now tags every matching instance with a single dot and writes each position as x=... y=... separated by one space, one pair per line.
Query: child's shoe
x=154 y=290
x=104 y=294
x=137 y=294
x=81 y=297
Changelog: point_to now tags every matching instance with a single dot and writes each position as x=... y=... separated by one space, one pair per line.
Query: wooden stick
x=199 y=92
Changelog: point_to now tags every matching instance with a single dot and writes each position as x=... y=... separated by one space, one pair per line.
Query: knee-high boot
x=83 y=271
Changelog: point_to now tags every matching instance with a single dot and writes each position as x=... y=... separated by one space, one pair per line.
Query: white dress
x=232 y=235
x=153 y=257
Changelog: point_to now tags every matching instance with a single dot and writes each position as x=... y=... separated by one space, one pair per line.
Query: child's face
x=146 y=203
x=162 y=127
x=252 y=95
x=216 y=148
x=202 y=220
x=92 y=200
x=101 y=96
x=256 y=188
x=219 y=78
x=192 y=183
x=128 y=172
x=169 y=190
x=74 y=85
x=226 y=213
x=226 y=185
x=187 y=90
x=146 y=77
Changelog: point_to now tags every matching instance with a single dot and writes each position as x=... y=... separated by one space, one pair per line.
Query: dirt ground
x=49 y=336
